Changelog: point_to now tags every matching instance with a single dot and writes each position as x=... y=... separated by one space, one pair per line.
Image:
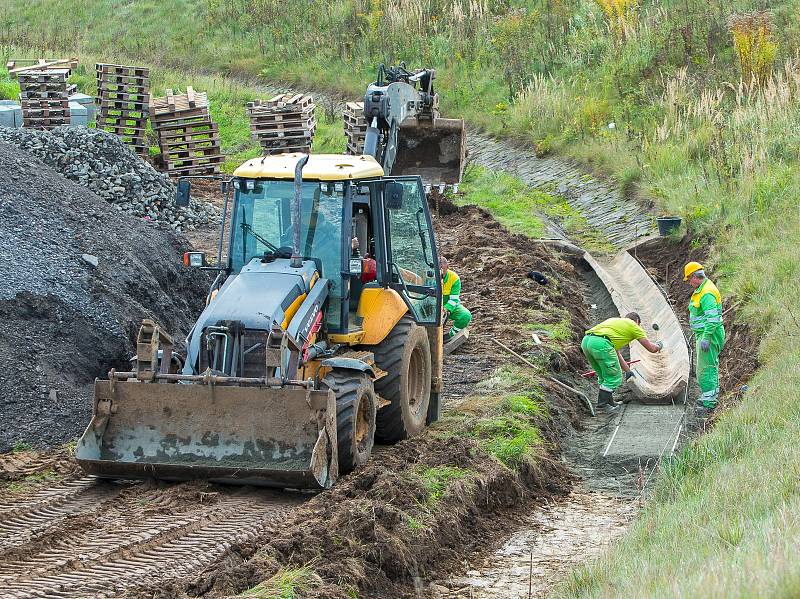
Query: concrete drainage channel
x=616 y=457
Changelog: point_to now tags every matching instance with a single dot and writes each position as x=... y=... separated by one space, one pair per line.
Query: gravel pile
x=102 y=162
x=78 y=277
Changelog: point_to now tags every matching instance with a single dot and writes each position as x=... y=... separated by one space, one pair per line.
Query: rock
x=102 y=162
x=91 y=260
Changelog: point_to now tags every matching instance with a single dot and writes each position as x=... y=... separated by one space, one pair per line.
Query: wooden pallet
x=44 y=95
x=110 y=98
x=43 y=102
x=188 y=131
x=284 y=123
x=209 y=169
x=283 y=102
x=107 y=69
x=188 y=138
x=17 y=66
x=195 y=103
x=123 y=99
x=355 y=127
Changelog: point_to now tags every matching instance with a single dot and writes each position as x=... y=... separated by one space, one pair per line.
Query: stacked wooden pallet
x=188 y=138
x=355 y=127
x=123 y=94
x=15 y=66
x=44 y=97
x=286 y=123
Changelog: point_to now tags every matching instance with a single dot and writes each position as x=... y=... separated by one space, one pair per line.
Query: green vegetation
x=509 y=416
x=561 y=330
x=681 y=101
x=21 y=446
x=439 y=479
x=18 y=486
x=286 y=584
x=9 y=88
x=520 y=209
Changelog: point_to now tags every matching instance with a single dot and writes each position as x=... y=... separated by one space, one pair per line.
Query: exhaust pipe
x=297 y=259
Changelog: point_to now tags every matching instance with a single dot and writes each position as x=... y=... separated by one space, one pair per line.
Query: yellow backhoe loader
x=322 y=331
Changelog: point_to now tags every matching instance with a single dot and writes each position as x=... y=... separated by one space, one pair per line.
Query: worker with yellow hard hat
x=705 y=319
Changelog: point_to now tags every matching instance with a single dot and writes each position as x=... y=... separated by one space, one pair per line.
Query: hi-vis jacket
x=705 y=311
x=451 y=291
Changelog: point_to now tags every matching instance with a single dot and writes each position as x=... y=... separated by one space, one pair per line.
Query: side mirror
x=182 y=192
x=194 y=259
x=393 y=195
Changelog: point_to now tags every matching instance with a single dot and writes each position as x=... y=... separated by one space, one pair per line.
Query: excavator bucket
x=248 y=435
x=434 y=149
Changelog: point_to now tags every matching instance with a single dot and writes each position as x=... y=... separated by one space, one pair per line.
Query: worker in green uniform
x=705 y=319
x=451 y=298
x=602 y=344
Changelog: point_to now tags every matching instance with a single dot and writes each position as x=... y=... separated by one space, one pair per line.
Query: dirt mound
x=78 y=279
x=102 y=162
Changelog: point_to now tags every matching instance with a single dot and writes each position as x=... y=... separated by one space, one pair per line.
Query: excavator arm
x=404 y=131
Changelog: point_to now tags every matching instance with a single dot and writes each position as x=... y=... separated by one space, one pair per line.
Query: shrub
x=752 y=39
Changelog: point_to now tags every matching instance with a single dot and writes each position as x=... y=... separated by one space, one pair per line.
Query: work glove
x=705 y=345
x=660 y=345
x=628 y=375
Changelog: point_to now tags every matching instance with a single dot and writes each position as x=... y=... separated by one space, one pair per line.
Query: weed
x=523 y=404
x=753 y=40
x=415 y=524
x=510 y=439
x=21 y=446
x=438 y=479
x=558 y=331
x=45 y=475
x=286 y=584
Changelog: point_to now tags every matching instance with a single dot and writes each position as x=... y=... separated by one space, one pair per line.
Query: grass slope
x=651 y=97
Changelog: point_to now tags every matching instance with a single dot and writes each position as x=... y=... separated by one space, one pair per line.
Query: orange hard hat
x=690 y=269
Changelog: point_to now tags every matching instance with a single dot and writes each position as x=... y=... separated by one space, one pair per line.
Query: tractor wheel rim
x=416 y=382
x=362 y=423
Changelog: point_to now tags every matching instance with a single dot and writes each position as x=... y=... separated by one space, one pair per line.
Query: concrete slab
x=645 y=432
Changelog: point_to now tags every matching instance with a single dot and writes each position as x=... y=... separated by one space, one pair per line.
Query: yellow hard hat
x=690 y=269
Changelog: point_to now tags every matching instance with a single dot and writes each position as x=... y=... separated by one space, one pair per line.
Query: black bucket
x=668 y=224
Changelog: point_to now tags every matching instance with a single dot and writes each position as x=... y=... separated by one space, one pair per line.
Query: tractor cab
x=365 y=233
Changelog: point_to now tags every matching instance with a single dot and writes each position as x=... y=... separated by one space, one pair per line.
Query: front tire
x=355 y=416
x=405 y=355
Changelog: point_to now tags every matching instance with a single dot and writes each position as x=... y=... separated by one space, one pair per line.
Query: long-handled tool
x=591 y=374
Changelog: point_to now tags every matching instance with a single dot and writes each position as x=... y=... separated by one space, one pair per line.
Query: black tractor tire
x=356 y=405
x=405 y=355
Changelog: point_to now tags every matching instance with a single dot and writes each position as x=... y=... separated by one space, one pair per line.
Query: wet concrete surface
x=550 y=541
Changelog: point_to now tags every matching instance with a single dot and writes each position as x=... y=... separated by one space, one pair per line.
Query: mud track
x=83 y=537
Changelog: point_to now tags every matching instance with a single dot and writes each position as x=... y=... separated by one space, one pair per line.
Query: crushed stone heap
x=102 y=162
x=78 y=277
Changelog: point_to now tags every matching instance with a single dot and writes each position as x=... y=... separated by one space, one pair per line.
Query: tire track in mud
x=94 y=538
x=26 y=519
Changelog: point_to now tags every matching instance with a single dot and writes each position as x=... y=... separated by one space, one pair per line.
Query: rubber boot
x=605 y=402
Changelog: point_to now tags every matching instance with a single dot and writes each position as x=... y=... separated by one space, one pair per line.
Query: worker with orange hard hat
x=705 y=319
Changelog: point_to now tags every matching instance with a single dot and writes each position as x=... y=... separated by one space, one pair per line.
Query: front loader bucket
x=435 y=150
x=276 y=437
